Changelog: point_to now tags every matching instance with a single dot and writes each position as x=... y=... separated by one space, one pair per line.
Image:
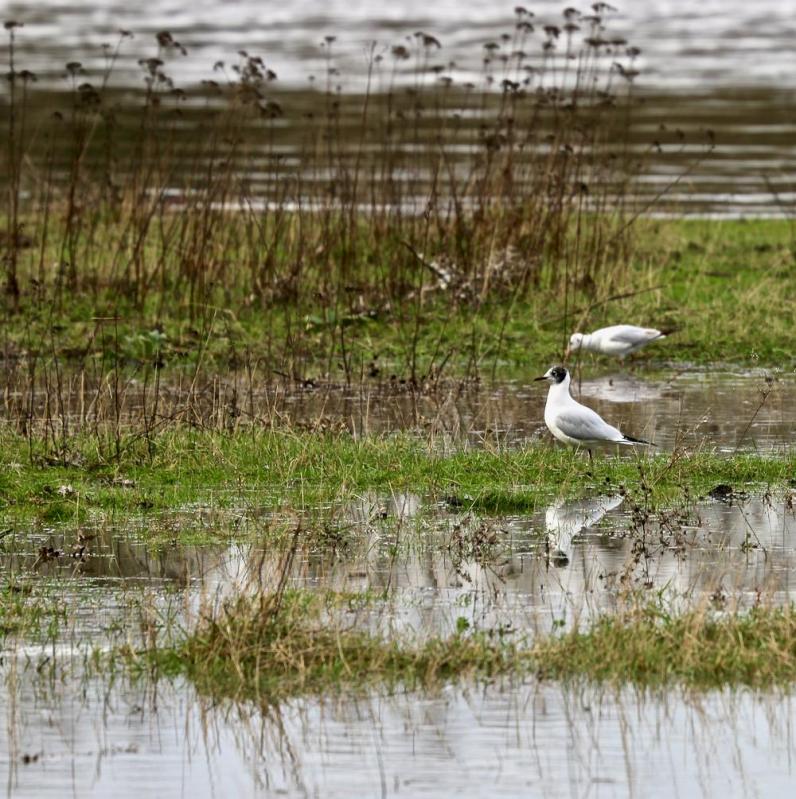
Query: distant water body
x=724 y=65
x=686 y=44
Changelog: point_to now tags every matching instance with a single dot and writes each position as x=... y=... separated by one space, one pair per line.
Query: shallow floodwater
x=67 y=734
x=522 y=740
x=726 y=412
x=729 y=43
x=432 y=564
x=744 y=411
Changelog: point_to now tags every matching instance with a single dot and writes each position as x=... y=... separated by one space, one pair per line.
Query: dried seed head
x=428 y=40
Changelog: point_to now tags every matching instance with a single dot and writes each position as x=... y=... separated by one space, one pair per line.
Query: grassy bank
x=300 y=469
x=724 y=286
x=457 y=229
x=277 y=646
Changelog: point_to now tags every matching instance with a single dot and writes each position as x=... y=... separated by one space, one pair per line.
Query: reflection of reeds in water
x=318 y=211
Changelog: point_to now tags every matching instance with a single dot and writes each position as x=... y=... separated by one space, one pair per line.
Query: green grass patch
x=274 y=468
x=725 y=285
x=700 y=648
x=280 y=647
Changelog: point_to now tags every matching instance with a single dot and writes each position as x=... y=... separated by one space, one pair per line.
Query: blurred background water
x=727 y=67
x=685 y=45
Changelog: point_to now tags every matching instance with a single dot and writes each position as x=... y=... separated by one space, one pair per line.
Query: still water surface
x=527 y=740
x=99 y=737
x=718 y=411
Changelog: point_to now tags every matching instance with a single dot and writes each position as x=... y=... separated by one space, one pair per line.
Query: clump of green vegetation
x=29 y=610
x=702 y=648
x=286 y=643
x=278 y=645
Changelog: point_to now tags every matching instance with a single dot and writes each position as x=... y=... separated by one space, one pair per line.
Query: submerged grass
x=275 y=646
x=33 y=611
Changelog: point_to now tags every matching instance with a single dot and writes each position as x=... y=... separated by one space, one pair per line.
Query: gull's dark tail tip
x=633 y=440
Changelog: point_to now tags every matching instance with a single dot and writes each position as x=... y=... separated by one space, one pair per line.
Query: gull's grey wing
x=635 y=335
x=584 y=424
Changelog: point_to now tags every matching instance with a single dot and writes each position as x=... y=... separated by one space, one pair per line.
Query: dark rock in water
x=560 y=559
x=722 y=492
x=726 y=493
x=452 y=501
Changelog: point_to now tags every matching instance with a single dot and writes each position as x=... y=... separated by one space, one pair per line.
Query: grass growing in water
x=700 y=648
x=284 y=644
x=281 y=645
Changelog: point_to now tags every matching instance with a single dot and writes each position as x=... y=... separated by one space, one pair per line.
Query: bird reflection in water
x=564 y=520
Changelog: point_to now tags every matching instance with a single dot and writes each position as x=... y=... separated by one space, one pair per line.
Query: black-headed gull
x=575 y=424
x=617 y=340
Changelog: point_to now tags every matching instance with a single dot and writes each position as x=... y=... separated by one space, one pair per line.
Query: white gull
x=619 y=340
x=575 y=424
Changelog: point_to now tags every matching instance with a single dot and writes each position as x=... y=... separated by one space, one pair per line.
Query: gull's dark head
x=555 y=374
